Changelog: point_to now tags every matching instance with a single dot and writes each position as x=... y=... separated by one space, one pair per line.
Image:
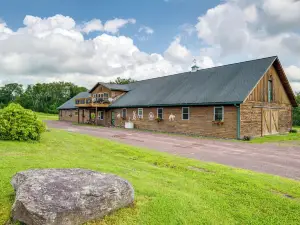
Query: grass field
x=45 y=116
x=168 y=189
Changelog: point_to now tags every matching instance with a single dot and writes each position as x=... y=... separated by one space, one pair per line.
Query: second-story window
x=270 y=90
x=105 y=95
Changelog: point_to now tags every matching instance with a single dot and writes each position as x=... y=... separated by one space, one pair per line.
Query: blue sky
x=89 y=41
x=165 y=17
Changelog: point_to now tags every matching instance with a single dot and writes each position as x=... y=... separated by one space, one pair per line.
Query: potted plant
x=158 y=119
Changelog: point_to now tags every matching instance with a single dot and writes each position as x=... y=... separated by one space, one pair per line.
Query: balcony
x=92 y=102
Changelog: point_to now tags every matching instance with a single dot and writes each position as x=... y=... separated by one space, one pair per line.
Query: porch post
x=96 y=117
x=78 y=113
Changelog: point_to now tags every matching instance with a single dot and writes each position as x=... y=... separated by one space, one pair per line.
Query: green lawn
x=45 y=116
x=168 y=189
x=280 y=138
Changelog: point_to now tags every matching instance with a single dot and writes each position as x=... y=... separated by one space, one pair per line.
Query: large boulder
x=67 y=196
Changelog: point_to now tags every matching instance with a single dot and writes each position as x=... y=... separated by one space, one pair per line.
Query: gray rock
x=67 y=196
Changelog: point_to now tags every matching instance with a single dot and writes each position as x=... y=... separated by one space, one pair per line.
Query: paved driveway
x=282 y=160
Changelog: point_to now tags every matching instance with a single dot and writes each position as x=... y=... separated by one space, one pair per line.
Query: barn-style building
x=252 y=98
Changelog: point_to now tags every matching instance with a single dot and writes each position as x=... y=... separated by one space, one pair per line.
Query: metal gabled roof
x=113 y=87
x=218 y=85
x=70 y=104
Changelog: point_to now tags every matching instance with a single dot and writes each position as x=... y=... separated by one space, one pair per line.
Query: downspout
x=238 y=123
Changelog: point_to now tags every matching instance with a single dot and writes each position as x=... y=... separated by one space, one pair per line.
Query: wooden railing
x=92 y=102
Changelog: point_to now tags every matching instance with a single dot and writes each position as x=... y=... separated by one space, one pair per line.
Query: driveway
x=282 y=160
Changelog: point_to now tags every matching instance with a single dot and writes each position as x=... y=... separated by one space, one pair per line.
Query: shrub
x=247 y=138
x=293 y=131
x=17 y=123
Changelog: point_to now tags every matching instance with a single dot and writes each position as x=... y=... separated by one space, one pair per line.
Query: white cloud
x=238 y=30
x=285 y=11
x=181 y=55
x=4 y=31
x=93 y=25
x=110 y=26
x=178 y=53
x=52 y=49
x=114 y=25
x=293 y=74
x=147 y=30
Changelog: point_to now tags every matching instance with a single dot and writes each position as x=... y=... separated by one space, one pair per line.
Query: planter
x=129 y=125
x=158 y=119
x=218 y=122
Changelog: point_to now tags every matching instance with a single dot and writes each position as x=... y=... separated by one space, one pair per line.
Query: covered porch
x=94 y=115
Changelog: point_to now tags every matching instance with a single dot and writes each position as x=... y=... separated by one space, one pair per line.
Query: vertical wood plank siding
x=252 y=108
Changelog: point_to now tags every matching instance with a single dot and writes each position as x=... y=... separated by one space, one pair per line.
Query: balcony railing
x=101 y=102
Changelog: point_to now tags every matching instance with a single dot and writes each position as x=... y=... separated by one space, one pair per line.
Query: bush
x=247 y=138
x=293 y=131
x=17 y=123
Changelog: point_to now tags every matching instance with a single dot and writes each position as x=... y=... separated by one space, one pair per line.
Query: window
x=219 y=113
x=105 y=95
x=101 y=115
x=160 y=113
x=185 y=113
x=76 y=113
x=270 y=90
x=140 y=113
x=124 y=113
x=94 y=95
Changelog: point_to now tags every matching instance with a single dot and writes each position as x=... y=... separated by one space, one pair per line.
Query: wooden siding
x=200 y=121
x=260 y=117
x=101 y=89
x=260 y=92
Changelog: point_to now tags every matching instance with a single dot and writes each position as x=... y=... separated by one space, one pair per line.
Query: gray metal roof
x=121 y=87
x=70 y=104
x=113 y=87
x=229 y=84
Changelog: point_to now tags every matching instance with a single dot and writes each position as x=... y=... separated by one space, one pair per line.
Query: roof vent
x=195 y=68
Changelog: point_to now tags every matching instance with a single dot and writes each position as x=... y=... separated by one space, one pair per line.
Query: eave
x=178 y=105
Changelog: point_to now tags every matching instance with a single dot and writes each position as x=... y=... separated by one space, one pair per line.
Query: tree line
x=44 y=97
x=40 y=97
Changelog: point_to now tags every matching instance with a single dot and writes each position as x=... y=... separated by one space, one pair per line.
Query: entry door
x=270 y=121
x=113 y=118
